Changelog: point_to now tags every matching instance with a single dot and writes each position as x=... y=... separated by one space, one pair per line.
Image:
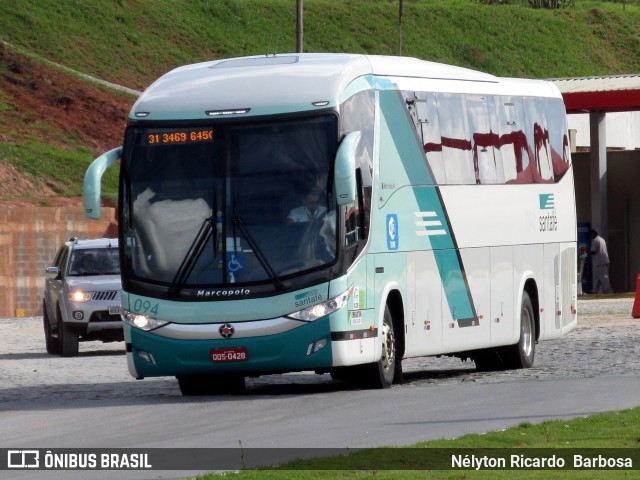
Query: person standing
x=600 y=264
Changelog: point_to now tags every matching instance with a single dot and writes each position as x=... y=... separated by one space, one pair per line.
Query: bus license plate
x=237 y=354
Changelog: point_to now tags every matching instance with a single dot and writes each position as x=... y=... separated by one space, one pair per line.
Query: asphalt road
x=90 y=401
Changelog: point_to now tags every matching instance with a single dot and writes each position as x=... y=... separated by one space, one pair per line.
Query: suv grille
x=110 y=295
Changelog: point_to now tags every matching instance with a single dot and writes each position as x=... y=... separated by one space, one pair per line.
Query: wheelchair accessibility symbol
x=392 y=232
x=235 y=263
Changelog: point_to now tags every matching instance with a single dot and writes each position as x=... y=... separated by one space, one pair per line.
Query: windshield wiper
x=192 y=256
x=237 y=222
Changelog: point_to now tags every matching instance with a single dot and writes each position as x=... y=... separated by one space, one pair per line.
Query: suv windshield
x=94 y=261
x=229 y=204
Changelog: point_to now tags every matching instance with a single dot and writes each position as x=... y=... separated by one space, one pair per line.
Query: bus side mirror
x=92 y=179
x=345 y=171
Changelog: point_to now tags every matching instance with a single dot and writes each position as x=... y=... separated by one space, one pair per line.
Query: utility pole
x=400 y=13
x=299 y=8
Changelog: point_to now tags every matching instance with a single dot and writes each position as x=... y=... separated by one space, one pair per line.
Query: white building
x=604 y=124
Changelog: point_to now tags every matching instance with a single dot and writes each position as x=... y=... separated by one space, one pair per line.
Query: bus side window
x=512 y=143
x=558 y=139
x=484 y=141
x=494 y=103
x=431 y=140
x=358 y=114
x=538 y=137
x=353 y=221
x=456 y=143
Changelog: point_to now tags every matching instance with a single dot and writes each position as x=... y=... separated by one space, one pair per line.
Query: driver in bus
x=311 y=211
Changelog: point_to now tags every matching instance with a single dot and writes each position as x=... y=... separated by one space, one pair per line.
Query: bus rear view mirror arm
x=345 y=176
x=92 y=181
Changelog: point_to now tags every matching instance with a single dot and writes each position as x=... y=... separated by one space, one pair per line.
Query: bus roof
x=292 y=81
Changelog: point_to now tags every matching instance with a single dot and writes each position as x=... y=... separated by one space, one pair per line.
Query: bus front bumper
x=306 y=347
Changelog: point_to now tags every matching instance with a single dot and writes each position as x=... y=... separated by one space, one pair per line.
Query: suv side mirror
x=345 y=169
x=92 y=179
x=52 y=272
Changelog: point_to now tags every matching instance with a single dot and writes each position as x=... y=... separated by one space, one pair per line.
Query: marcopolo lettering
x=223 y=293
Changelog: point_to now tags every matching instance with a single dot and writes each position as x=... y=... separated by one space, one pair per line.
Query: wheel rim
x=527 y=333
x=389 y=347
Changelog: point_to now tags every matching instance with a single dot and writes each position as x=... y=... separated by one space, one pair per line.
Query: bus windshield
x=212 y=205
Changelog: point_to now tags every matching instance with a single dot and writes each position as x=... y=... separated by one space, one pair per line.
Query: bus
x=340 y=213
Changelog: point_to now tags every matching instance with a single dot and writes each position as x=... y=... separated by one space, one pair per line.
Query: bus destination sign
x=177 y=136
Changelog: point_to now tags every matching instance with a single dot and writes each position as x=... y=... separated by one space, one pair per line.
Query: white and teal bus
x=339 y=213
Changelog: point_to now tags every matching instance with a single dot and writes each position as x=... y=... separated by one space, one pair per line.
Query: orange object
x=635 y=313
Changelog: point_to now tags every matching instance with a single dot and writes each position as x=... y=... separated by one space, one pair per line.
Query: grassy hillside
x=134 y=42
x=131 y=43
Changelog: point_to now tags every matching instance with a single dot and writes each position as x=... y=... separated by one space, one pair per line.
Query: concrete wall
x=29 y=240
x=623 y=190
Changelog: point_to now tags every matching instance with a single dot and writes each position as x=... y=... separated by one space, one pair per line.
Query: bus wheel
x=345 y=374
x=191 y=385
x=382 y=373
x=522 y=353
x=488 y=360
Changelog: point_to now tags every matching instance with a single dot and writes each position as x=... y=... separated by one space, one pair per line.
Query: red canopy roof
x=620 y=93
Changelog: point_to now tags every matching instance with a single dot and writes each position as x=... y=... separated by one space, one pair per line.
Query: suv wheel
x=68 y=338
x=52 y=342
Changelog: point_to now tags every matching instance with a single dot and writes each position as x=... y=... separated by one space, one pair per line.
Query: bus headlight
x=79 y=296
x=143 y=322
x=320 y=310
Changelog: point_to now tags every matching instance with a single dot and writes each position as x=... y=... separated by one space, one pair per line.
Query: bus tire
x=488 y=360
x=68 y=338
x=52 y=343
x=198 y=385
x=345 y=374
x=382 y=373
x=521 y=355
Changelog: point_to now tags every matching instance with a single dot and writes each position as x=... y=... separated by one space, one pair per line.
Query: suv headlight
x=143 y=322
x=79 y=296
x=320 y=310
